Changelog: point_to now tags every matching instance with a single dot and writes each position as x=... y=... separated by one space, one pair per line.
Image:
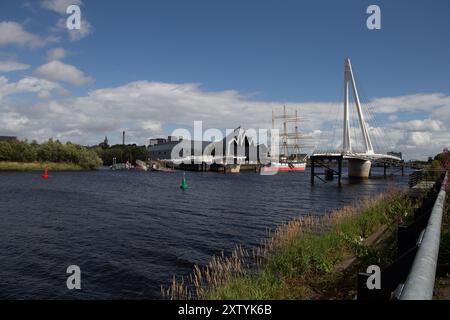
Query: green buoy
x=183 y=185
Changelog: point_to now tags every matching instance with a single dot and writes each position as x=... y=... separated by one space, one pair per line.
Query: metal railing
x=411 y=275
x=423 y=175
x=419 y=284
x=415 y=178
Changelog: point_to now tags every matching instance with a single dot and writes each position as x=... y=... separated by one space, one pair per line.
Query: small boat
x=163 y=169
x=141 y=165
x=160 y=166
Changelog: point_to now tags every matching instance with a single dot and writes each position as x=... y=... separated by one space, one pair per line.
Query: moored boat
x=284 y=167
x=290 y=158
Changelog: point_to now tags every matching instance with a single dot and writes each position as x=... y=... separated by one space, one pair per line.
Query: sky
x=150 y=67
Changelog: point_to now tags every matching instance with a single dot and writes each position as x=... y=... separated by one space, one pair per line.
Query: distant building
x=395 y=154
x=237 y=147
x=161 y=149
x=153 y=142
x=8 y=138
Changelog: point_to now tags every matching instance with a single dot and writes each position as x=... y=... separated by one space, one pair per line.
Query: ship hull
x=285 y=167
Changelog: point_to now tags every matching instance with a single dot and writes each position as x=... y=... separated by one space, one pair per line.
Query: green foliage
x=6 y=151
x=300 y=268
x=122 y=153
x=89 y=159
x=433 y=171
x=50 y=151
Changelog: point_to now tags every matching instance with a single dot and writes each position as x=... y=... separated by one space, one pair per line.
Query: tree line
x=122 y=153
x=50 y=151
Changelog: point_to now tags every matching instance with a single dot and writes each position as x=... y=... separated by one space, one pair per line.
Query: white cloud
x=13 y=33
x=75 y=34
x=41 y=87
x=442 y=113
x=56 y=54
x=144 y=108
x=419 y=138
x=409 y=103
x=58 y=71
x=420 y=125
x=59 y=6
x=8 y=66
x=84 y=31
x=12 y=121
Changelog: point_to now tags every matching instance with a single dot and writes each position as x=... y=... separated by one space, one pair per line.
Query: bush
x=50 y=151
x=89 y=159
x=122 y=153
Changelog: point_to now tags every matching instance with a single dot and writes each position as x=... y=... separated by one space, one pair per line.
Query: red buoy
x=45 y=176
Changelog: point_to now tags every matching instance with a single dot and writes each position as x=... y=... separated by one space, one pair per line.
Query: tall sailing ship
x=290 y=158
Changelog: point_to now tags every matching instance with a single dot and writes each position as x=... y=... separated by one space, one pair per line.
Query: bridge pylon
x=349 y=78
x=357 y=168
x=359 y=161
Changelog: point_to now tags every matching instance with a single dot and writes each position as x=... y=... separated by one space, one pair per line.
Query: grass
x=301 y=258
x=38 y=166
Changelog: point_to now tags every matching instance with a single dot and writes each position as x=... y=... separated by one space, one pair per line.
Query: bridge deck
x=356 y=155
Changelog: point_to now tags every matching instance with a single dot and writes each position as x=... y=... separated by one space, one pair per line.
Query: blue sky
x=248 y=55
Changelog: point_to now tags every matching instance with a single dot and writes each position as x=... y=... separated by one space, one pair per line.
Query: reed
x=291 y=258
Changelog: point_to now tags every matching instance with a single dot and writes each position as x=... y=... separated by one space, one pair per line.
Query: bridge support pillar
x=358 y=168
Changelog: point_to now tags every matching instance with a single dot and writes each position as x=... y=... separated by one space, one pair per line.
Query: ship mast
x=284 y=135
x=290 y=138
x=296 y=138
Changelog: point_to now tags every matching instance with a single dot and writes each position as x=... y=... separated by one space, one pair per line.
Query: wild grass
x=298 y=260
x=38 y=166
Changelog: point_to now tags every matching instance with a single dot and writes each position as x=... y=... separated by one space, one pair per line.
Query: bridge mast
x=365 y=133
x=346 y=146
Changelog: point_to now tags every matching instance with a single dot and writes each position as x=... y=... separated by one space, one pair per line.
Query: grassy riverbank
x=39 y=166
x=307 y=258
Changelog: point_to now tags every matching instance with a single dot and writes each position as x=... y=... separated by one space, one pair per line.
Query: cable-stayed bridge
x=359 y=159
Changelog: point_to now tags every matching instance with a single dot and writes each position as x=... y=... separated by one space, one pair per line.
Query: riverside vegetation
x=304 y=258
x=316 y=257
x=24 y=156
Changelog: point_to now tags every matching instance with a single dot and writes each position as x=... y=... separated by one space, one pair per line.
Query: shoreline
x=9 y=166
x=305 y=258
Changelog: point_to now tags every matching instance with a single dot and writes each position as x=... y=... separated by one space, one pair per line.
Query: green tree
x=6 y=151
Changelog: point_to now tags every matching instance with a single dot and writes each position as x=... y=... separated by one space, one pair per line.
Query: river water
x=130 y=232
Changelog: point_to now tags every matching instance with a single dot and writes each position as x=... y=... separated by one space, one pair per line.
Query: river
x=130 y=232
